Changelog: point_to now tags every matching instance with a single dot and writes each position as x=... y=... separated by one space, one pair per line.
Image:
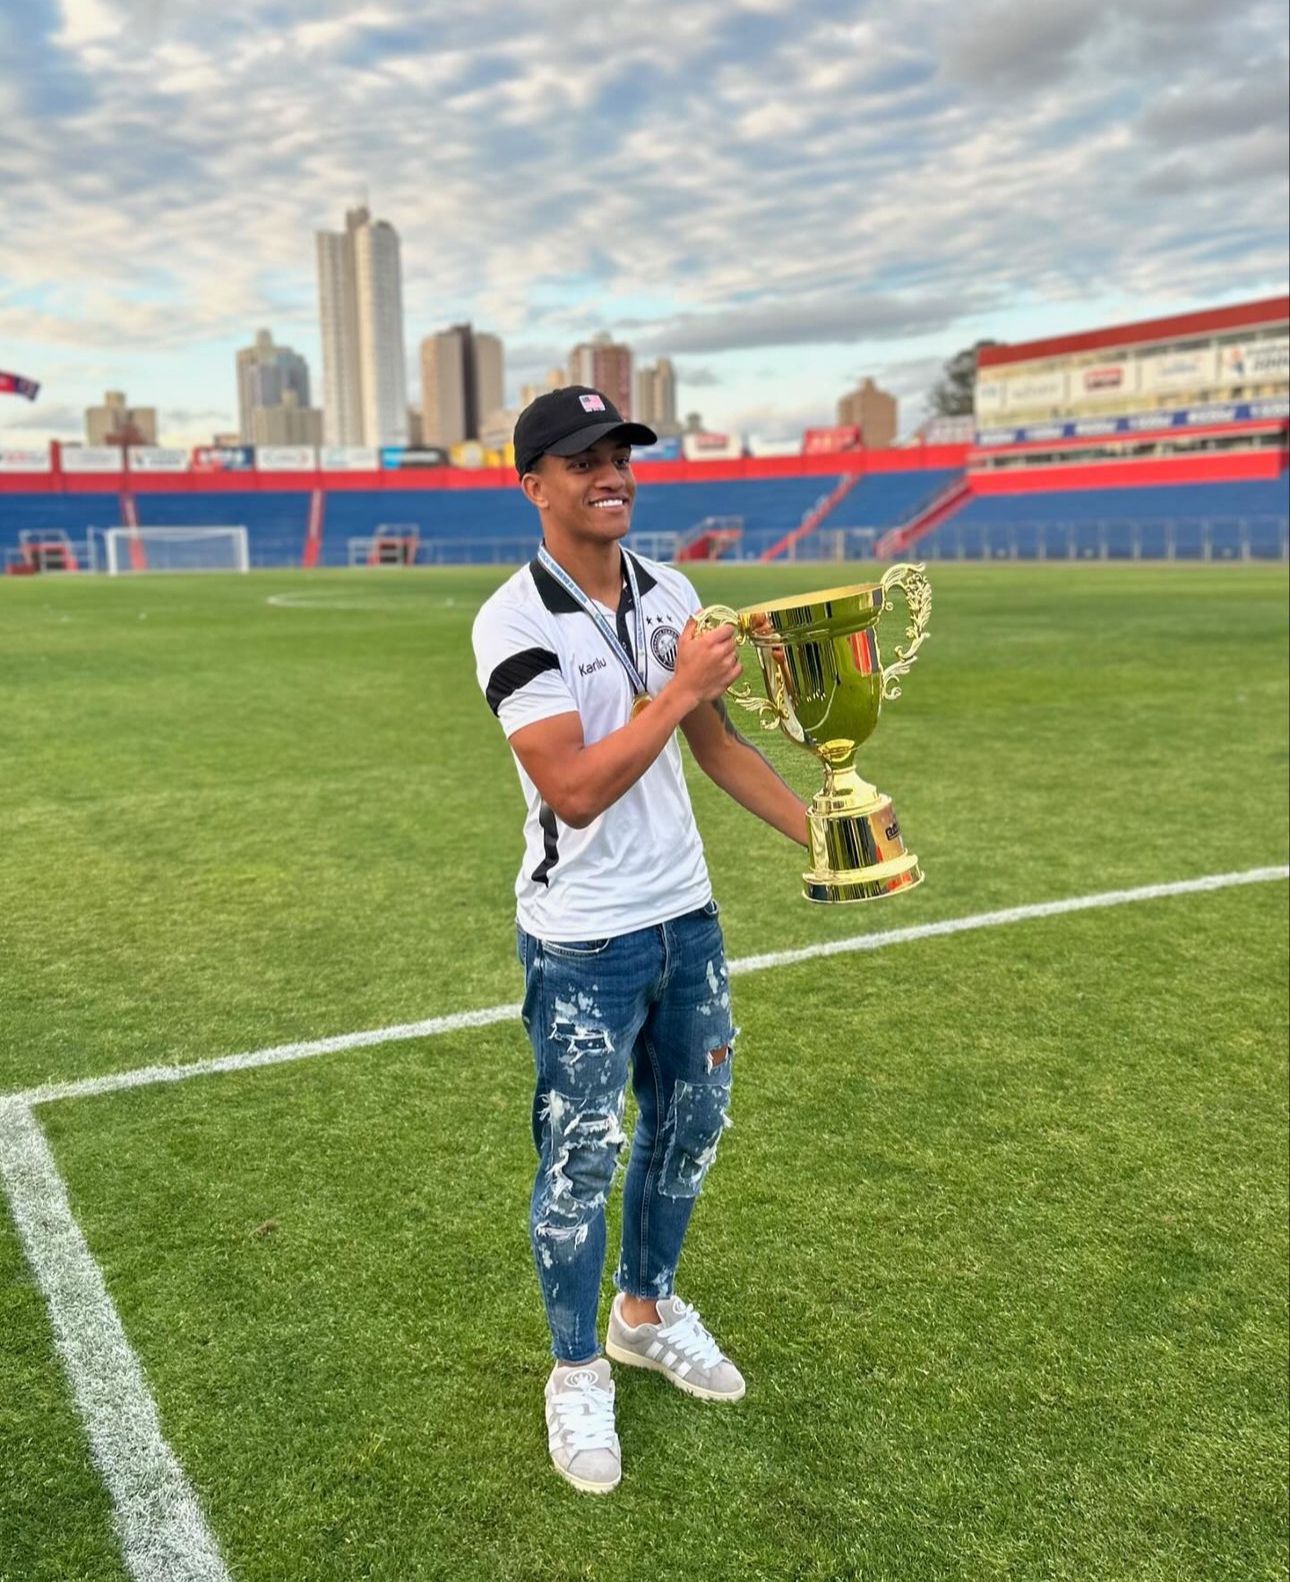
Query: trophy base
x=857 y=855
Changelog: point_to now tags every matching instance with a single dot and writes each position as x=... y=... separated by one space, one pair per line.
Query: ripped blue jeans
x=654 y=1004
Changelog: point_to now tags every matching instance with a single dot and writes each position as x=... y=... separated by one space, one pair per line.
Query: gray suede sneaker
x=580 y=1426
x=679 y=1347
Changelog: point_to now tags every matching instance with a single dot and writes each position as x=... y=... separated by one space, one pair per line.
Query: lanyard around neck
x=589 y=608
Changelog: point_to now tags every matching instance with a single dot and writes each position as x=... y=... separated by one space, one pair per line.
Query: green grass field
x=999 y=1237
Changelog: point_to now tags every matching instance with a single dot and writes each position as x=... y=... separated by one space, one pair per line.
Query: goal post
x=141 y=549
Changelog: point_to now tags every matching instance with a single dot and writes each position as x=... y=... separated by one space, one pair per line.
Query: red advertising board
x=823 y=441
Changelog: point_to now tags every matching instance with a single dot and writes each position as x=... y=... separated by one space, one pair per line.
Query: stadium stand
x=1179 y=521
x=1218 y=518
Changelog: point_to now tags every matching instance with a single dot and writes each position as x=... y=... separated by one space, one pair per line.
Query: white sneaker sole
x=582 y=1485
x=633 y=1359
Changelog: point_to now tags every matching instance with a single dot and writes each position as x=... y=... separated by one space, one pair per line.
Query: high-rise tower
x=605 y=366
x=461 y=384
x=266 y=375
x=360 y=299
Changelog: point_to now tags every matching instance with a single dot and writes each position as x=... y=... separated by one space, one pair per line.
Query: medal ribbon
x=588 y=607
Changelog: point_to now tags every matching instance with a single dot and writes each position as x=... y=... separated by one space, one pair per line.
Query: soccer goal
x=135 y=549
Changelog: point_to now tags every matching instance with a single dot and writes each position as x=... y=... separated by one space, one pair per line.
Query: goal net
x=134 y=549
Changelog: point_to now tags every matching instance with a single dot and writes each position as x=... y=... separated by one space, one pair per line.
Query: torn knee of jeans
x=698 y=1115
x=719 y=1055
x=578 y=1032
x=585 y=1139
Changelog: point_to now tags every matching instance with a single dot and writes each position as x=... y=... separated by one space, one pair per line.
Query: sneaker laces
x=689 y=1336
x=585 y=1411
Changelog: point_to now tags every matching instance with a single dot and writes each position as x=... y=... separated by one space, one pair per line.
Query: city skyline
x=778 y=199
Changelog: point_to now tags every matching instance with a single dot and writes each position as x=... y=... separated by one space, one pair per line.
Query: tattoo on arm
x=733 y=731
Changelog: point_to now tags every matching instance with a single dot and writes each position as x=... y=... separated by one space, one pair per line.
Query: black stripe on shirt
x=551 y=846
x=516 y=672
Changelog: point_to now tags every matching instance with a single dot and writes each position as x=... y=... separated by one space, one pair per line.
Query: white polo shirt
x=537 y=655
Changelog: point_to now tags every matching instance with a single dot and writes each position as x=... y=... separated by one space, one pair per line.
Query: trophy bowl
x=825 y=686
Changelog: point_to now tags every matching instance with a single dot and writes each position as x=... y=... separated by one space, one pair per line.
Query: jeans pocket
x=575 y=948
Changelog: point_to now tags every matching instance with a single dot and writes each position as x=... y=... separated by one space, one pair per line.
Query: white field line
x=146 y=1076
x=164 y=1537
x=163 y=1534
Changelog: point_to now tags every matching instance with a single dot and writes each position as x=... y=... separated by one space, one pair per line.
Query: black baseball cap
x=564 y=422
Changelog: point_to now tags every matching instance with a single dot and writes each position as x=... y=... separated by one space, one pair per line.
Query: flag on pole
x=15 y=384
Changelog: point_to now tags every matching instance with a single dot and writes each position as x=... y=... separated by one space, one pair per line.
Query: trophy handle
x=918 y=596
x=770 y=714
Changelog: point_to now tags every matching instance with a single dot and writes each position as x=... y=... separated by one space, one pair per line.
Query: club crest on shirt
x=662 y=644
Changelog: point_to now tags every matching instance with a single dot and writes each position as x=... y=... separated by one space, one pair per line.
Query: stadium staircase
x=819 y=512
x=130 y=518
x=41 y=549
x=314 y=532
x=711 y=538
x=938 y=510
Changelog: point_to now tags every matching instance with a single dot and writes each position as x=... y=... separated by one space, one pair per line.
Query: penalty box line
x=162 y=1531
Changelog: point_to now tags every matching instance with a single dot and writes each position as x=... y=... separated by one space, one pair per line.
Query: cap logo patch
x=591 y=403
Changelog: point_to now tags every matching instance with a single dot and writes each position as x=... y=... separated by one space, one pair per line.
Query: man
x=589 y=658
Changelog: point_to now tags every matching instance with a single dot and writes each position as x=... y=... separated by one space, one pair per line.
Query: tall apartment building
x=265 y=375
x=285 y=423
x=115 y=423
x=556 y=379
x=360 y=300
x=873 y=412
x=656 y=397
x=606 y=367
x=461 y=384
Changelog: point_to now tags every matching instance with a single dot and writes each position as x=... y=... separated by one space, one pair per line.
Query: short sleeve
x=518 y=672
x=689 y=598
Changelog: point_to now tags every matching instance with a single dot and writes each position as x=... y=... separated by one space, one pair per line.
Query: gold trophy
x=825 y=687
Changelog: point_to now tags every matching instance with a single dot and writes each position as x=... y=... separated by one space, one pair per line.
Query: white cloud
x=732 y=175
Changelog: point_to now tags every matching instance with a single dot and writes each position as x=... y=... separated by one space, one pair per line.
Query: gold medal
x=640 y=702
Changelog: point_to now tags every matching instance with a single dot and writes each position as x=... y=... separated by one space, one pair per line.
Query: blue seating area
x=490 y=524
x=1218 y=521
x=1203 y=520
x=276 y=524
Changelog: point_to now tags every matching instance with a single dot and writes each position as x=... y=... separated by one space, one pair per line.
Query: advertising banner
x=1138 y=423
x=223 y=458
x=404 y=456
x=991 y=397
x=1109 y=381
x=773 y=447
x=349 y=458
x=285 y=458
x=1194 y=370
x=663 y=450
x=469 y=453
x=1255 y=363
x=91 y=458
x=1027 y=391
x=824 y=441
x=948 y=431
x=711 y=447
x=15 y=459
x=157 y=458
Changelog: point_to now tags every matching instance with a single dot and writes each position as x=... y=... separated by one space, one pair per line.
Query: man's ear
x=534 y=489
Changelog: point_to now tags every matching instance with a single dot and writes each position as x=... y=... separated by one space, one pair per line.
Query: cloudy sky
x=783 y=197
